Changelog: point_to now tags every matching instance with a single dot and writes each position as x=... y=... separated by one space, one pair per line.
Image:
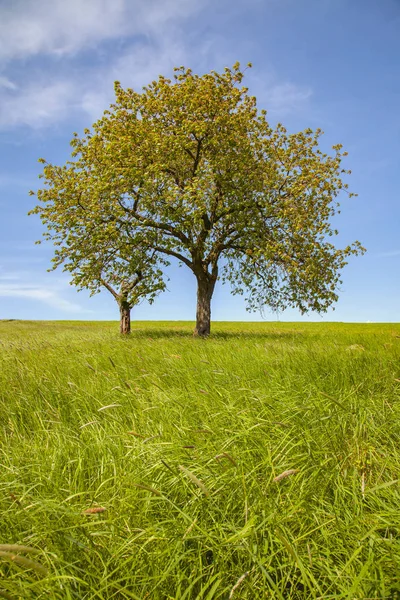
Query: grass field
x=181 y=440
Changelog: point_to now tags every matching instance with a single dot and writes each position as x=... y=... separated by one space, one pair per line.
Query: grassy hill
x=262 y=462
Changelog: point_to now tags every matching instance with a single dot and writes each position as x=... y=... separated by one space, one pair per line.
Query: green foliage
x=128 y=277
x=96 y=261
x=190 y=168
x=92 y=420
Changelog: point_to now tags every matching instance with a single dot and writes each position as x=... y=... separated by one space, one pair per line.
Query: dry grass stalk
x=356 y=347
x=152 y=437
x=24 y=562
x=148 y=488
x=309 y=555
x=18 y=548
x=139 y=435
x=168 y=467
x=238 y=584
x=87 y=424
x=228 y=456
x=189 y=529
x=94 y=511
x=196 y=481
x=202 y=431
x=285 y=474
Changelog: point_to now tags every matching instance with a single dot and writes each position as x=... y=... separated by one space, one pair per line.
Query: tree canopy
x=130 y=279
x=101 y=261
x=189 y=168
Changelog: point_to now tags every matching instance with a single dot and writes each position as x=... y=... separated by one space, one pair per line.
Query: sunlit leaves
x=190 y=168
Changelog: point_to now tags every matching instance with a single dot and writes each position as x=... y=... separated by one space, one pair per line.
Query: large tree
x=190 y=168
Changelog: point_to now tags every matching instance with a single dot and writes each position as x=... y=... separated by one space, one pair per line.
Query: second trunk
x=125 y=320
x=205 y=289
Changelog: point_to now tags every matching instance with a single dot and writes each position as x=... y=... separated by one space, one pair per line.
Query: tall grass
x=263 y=462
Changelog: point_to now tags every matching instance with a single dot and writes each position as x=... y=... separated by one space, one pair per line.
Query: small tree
x=97 y=260
x=129 y=281
x=191 y=169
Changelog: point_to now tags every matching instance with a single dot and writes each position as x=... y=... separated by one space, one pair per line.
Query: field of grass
x=178 y=443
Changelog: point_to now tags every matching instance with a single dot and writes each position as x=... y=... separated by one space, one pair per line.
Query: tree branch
x=177 y=255
x=109 y=288
x=197 y=157
x=163 y=227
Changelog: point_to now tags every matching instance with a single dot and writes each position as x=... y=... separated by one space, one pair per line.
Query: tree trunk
x=205 y=289
x=125 y=321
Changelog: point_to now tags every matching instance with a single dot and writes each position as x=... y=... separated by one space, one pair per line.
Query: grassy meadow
x=262 y=462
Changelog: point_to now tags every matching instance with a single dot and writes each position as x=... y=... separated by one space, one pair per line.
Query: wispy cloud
x=19 y=284
x=279 y=97
x=49 y=297
x=284 y=98
x=135 y=67
x=38 y=103
x=41 y=103
x=13 y=181
x=148 y=33
x=7 y=83
x=9 y=277
x=149 y=38
x=389 y=254
x=56 y=27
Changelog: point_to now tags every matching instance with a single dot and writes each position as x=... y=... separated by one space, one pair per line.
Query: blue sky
x=332 y=64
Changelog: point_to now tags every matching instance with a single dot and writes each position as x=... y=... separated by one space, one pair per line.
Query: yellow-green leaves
x=190 y=169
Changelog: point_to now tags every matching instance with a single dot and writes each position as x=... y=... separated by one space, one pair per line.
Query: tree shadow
x=164 y=334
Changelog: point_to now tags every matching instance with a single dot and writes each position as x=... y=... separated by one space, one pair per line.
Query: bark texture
x=125 y=318
x=205 y=289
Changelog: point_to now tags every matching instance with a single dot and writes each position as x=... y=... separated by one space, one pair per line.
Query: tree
x=190 y=168
x=100 y=261
x=129 y=280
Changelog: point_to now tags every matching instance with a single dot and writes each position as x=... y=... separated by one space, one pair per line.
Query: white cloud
x=49 y=297
x=38 y=104
x=7 y=83
x=284 y=98
x=23 y=260
x=60 y=28
x=14 y=181
x=138 y=65
x=19 y=284
x=389 y=254
x=278 y=97
x=56 y=27
x=41 y=103
x=149 y=39
x=9 y=277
